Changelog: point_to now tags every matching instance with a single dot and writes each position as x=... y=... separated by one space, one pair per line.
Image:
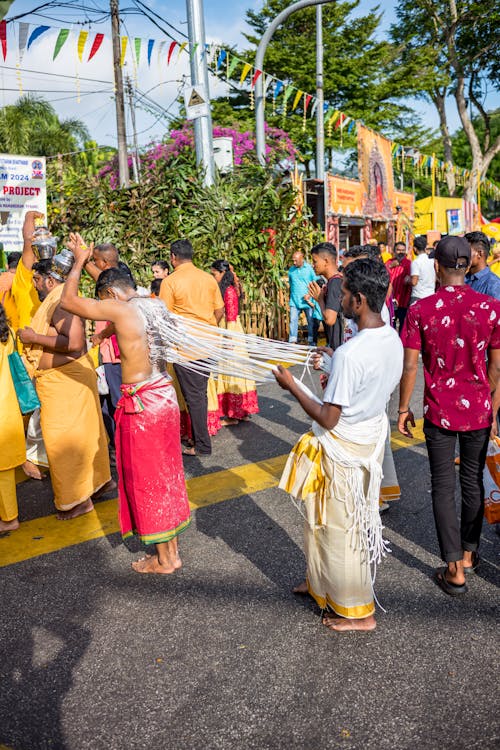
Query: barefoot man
x=152 y=492
x=55 y=352
x=335 y=470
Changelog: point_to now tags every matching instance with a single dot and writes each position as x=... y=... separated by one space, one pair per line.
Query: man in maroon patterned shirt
x=458 y=332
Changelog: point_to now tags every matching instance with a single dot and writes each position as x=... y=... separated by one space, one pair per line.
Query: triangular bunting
x=61 y=38
x=173 y=45
x=246 y=70
x=181 y=48
x=124 y=42
x=95 y=45
x=3 y=38
x=256 y=77
x=151 y=44
x=36 y=33
x=298 y=97
x=137 y=45
x=232 y=65
x=277 y=88
x=82 y=39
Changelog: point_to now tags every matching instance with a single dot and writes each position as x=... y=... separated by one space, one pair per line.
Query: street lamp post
x=259 y=84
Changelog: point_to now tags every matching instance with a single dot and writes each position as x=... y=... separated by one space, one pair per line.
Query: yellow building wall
x=424 y=214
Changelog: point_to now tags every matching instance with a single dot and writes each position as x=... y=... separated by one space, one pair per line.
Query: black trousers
x=400 y=315
x=455 y=537
x=113 y=372
x=194 y=389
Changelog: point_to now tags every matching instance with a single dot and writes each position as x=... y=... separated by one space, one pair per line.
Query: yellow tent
x=430 y=213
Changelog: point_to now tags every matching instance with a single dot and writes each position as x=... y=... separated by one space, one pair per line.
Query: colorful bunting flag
x=232 y=65
x=137 y=45
x=95 y=45
x=173 y=45
x=256 y=77
x=37 y=33
x=246 y=70
x=277 y=88
x=82 y=39
x=160 y=50
x=182 y=47
x=61 y=38
x=221 y=58
x=124 y=42
x=3 y=38
x=298 y=97
x=24 y=30
x=151 y=44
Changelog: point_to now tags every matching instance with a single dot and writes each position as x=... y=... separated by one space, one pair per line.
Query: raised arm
x=28 y=257
x=82 y=306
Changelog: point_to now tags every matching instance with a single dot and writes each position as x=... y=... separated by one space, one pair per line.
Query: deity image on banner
x=375 y=171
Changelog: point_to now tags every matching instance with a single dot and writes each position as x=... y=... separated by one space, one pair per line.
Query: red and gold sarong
x=153 y=501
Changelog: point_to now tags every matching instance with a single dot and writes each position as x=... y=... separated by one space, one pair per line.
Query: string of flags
x=224 y=64
x=429 y=166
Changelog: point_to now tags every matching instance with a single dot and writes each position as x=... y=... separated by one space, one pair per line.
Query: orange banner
x=345 y=197
x=406 y=201
x=375 y=172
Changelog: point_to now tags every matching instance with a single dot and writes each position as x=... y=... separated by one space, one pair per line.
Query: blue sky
x=84 y=90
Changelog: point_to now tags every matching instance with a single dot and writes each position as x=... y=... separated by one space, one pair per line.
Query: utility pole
x=136 y=165
x=119 y=96
x=203 y=135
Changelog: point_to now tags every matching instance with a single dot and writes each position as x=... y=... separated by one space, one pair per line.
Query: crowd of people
x=379 y=318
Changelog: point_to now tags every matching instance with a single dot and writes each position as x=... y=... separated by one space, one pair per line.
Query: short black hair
x=155 y=286
x=109 y=251
x=162 y=263
x=43 y=267
x=420 y=243
x=479 y=238
x=182 y=249
x=355 y=251
x=13 y=259
x=372 y=251
x=114 y=277
x=401 y=244
x=325 y=248
x=369 y=277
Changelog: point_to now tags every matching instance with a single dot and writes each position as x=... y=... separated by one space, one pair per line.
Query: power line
x=57 y=75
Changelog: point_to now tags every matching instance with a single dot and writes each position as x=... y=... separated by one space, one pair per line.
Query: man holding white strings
x=335 y=470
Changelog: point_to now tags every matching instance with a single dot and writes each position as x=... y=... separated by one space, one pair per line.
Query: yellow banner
x=124 y=50
x=375 y=171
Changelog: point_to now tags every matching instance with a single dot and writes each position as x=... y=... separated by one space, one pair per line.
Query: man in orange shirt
x=192 y=293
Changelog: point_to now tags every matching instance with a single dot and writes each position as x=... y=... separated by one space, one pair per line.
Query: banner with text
x=22 y=189
x=346 y=197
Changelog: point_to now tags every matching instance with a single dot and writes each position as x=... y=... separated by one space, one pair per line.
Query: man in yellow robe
x=12 y=444
x=70 y=416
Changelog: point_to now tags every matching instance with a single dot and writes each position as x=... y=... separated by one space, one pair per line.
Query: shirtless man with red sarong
x=153 y=501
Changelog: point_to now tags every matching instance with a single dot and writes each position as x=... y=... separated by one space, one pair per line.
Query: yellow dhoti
x=342 y=526
x=12 y=445
x=73 y=431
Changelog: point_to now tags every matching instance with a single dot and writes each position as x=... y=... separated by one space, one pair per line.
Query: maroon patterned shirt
x=454 y=328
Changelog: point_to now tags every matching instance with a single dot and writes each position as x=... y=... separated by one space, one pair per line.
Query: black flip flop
x=453 y=589
x=475 y=565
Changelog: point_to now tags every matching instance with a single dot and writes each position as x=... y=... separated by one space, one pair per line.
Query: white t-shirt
x=423 y=267
x=365 y=371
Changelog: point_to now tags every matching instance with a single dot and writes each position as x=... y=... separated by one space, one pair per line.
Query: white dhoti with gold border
x=336 y=482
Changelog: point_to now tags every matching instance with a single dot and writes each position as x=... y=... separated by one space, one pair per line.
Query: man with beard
x=335 y=470
x=73 y=432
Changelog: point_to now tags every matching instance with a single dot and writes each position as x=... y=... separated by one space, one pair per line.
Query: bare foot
x=108 y=487
x=188 y=451
x=346 y=624
x=32 y=470
x=228 y=421
x=151 y=564
x=79 y=510
x=301 y=588
x=6 y=526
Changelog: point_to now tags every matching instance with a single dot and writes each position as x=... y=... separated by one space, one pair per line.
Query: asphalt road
x=222 y=655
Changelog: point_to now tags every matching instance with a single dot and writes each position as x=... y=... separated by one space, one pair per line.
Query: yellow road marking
x=46 y=534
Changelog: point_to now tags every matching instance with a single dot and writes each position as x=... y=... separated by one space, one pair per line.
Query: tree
x=450 y=48
x=359 y=77
x=31 y=126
